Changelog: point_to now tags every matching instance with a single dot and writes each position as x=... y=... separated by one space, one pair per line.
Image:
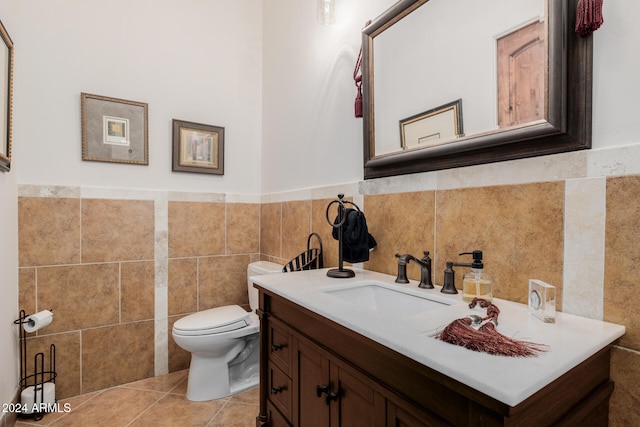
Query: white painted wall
x=616 y=67
x=311 y=139
x=9 y=371
x=310 y=136
x=193 y=60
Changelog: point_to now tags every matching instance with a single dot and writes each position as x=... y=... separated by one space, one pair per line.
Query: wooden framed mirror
x=523 y=98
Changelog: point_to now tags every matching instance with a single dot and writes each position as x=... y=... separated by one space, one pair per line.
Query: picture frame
x=114 y=130
x=6 y=102
x=198 y=148
x=432 y=127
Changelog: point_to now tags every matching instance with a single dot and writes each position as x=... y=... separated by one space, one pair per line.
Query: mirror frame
x=568 y=125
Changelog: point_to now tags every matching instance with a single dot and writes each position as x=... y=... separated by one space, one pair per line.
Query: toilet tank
x=256 y=269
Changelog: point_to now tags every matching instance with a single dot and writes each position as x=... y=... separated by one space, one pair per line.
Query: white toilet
x=224 y=344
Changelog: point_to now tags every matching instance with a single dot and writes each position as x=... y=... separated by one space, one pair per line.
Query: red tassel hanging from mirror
x=588 y=16
x=358 y=103
x=357 y=78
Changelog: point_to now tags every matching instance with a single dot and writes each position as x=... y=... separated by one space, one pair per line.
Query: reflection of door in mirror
x=521 y=76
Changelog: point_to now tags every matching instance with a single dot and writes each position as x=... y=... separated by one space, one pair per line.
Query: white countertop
x=511 y=380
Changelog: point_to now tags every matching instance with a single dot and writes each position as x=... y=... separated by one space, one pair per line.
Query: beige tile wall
x=622 y=293
x=285 y=229
x=92 y=262
x=210 y=246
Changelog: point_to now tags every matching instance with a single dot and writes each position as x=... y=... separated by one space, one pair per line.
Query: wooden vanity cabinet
x=332 y=394
x=316 y=373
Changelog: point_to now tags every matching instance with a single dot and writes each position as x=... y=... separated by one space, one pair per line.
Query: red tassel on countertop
x=589 y=16
x=486 y=338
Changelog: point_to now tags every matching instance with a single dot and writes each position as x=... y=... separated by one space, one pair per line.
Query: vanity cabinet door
x=358 y=403
x=310 y=378
x=403 y=416
x=332 y=394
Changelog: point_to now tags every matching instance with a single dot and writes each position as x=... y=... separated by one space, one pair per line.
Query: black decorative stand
x=39 y=377
x=340 y=272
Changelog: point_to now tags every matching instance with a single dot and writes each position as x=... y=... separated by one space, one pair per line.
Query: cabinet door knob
x=321 y=389
x=276 y=390
x=276 y=347
x=330 y=396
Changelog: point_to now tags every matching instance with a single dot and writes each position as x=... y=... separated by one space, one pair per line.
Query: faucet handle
x=449 y=285
x=402 y=258
x=402 y=269
x=426 y=282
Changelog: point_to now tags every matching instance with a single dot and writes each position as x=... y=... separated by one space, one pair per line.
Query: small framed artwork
x=432 y=127
x=198 y=148
x=6 y=99
x=114 y=130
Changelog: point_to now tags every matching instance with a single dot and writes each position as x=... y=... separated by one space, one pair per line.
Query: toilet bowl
x=224 y=344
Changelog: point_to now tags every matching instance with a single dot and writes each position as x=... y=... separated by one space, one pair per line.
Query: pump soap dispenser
x=476 y=283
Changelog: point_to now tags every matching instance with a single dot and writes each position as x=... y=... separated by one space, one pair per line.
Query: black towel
x=356 y=240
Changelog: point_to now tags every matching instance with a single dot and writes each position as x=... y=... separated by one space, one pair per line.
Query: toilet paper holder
x=41 y=402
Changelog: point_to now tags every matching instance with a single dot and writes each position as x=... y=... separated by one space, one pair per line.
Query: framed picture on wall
x=6 y=99
x=114 y=130
x=198 y=148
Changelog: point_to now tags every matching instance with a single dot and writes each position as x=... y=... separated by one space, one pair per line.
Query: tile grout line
x=218 y=412
x=165 y=394
x=141 y=413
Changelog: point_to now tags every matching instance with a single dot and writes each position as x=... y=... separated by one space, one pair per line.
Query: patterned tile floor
x=159 y=401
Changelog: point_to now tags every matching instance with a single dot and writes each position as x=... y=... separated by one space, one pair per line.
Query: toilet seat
x=213 y=321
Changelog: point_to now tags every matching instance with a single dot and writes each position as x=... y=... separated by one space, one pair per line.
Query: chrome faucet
x=425 y=269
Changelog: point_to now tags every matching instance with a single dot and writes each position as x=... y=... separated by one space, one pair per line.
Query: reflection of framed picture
x=114 y=130
x=6 y=98
x=198 y=148
x=432 y=127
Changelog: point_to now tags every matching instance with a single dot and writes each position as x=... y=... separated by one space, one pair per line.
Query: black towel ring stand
x=340 y=272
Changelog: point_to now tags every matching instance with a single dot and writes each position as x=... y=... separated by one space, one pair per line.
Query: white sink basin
x=388 y=300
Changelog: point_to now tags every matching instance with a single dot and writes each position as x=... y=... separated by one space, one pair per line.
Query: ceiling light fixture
x=326 y=12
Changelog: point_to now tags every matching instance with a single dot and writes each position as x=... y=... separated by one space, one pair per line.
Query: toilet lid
x=213 y=321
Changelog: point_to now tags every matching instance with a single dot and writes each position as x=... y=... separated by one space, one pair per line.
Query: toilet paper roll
x=32 y=394
x=38 y=321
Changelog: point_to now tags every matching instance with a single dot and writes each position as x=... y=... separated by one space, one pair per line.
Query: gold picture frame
x=114 y=130
x=6 y=103
x=198 y=148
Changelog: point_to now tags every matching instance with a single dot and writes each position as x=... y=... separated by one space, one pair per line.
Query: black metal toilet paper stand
x=38 y=378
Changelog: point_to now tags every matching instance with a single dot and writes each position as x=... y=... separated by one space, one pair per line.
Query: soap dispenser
x=476 y=283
